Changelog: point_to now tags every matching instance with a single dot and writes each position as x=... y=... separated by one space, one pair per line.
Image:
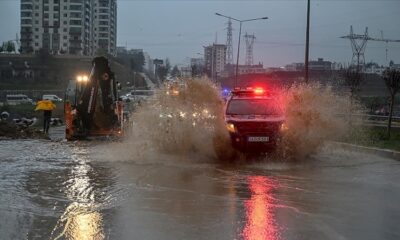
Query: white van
x=54 y=98
x=15 y=99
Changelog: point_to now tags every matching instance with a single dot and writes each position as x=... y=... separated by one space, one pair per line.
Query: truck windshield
x=253 y=107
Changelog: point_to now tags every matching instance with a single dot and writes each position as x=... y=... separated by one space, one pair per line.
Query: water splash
x=315 y=114
x=191 y=123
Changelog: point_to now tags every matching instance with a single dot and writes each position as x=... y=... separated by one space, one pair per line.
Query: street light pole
x=307 y=43
x=240 y=32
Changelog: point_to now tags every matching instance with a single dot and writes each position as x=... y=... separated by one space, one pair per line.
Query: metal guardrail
x=378 y=120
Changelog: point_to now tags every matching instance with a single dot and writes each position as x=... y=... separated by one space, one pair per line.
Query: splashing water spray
x=190 y=121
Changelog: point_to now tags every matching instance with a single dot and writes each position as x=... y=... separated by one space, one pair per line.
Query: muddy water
x=59 y=190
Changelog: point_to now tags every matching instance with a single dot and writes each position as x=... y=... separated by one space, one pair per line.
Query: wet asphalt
x=71 y=190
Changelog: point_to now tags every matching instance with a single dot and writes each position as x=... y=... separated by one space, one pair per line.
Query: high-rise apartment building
x=105 y=25
x=68 y=26
x=215 y=59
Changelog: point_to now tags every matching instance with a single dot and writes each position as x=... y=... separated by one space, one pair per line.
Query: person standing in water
x=46 y=120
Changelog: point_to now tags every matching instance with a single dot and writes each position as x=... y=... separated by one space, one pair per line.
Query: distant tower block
x=249 y=48
x=229 y=44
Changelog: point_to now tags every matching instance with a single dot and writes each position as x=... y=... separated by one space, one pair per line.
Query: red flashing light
x=249 y=90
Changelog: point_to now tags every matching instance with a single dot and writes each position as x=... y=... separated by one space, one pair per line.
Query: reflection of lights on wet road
x=260 y=222
x=80 y=221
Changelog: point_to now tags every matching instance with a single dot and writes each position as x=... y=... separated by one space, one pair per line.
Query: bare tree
x=352 y=79
x=392 y=81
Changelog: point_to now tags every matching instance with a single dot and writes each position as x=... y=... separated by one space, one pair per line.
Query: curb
x=371 y=150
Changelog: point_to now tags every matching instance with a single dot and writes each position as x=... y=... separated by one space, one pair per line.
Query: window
x=26 y=21
x=75 y=15
x=75 y=22
x=75 y=7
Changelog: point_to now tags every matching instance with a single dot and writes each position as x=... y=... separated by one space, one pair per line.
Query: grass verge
x=375 y=137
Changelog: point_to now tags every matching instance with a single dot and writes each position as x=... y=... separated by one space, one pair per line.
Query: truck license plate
x=258 y=139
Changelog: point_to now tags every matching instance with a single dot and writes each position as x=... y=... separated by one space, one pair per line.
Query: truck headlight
x=231 y=127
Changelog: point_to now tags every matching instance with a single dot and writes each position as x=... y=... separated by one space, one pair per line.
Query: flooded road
x=60 y=190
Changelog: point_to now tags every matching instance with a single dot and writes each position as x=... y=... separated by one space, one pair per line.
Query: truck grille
x=257 y=127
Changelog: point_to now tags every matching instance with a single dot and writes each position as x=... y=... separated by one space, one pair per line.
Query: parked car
x=52 y=97
x=15 y=99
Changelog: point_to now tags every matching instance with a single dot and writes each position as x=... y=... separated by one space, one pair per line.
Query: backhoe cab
x=92 y=106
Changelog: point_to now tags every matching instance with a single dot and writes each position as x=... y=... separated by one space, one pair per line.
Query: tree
x=9 y=46
x=197 y=70
x=392 y=81
x=162 y=72
x=137 y=61
x=1 y=48
x=352 y=79
x=175 y=72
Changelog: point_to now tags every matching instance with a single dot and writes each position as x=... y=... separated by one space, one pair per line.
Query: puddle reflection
x=80 y=221
x=260 y=221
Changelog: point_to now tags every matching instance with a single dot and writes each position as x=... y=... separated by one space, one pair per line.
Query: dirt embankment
x=11 y=131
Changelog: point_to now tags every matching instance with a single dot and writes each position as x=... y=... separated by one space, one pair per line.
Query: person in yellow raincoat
x=47 y=107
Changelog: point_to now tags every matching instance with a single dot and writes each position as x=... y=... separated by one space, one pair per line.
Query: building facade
x=79 y=27
x=214 y=60
x=320 y=65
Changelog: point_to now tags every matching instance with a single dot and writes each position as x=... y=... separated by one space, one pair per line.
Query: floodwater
x=67 y=190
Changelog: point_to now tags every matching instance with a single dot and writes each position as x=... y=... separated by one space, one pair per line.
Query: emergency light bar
x=249 y=91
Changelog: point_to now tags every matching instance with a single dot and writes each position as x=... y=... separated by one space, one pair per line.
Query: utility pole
x=359 y=44
x=250 y=38
x=229 y=44
x=240 y=32
x=307 y=43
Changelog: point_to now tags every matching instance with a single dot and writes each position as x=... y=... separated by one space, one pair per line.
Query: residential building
x=230 y=70
x=320 y=64
x=295 y=67
x=148 y=62
x=197 y=61
x=215 y=59
x=78 y=27
x=185 y=71
x=105 y=25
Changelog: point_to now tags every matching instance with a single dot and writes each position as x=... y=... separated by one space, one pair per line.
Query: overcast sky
x=179 y=29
